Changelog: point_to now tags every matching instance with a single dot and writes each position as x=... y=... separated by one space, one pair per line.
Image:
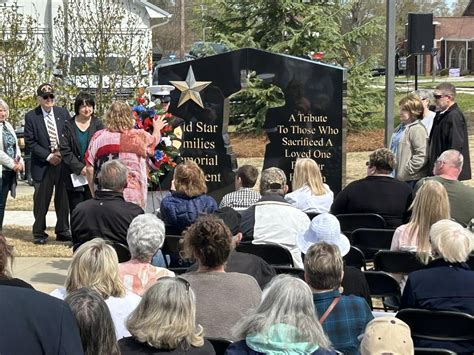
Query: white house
x=45 y=11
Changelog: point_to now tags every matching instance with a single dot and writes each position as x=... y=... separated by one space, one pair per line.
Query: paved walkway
x=44 y=274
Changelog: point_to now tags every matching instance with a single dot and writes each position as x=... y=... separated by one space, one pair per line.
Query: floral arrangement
x=163 y=161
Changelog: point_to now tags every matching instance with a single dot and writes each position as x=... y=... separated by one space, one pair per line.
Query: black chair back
x=273 y=254
x=355 y=257
x=470 y=261
x=122 y=251
x=433 y=351
x=172 y=247
x=402 y=262
x=220 y=345
x=385 y=286
x=371 y=240
x=438 y=325
x=294 y=271
x=311 y=215
x=352 y=221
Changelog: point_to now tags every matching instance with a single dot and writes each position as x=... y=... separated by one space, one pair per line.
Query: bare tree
x=103 y=47
x=20 y=68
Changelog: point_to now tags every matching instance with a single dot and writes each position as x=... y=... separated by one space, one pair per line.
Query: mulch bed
x=251 y=145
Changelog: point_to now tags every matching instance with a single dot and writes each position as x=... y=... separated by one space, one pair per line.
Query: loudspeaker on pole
x=420 y=33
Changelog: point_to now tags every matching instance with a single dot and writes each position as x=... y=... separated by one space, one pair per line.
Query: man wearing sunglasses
x=449 y=129
x=43 y=132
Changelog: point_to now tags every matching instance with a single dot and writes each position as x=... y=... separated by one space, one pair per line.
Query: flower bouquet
x=166 y=154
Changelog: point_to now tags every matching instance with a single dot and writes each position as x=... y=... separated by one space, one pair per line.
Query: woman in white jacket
x=10 y=159
x=310 y=194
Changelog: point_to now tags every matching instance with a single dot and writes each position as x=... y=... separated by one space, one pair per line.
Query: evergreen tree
x=299 y=29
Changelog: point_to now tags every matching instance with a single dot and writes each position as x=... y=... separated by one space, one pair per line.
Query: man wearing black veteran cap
x=272 y=220
x=43 y=132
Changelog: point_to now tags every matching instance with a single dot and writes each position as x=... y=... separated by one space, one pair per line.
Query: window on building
x=462 y=59
x=453 y=58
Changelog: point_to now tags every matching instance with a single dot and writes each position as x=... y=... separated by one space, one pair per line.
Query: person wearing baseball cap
x=273 y=219
x=43 y=134
x=387 y=335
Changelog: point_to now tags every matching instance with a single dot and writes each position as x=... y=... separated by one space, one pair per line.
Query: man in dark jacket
x=43 y=134
x=449 y=129
x=35 y=323
x=107 y=215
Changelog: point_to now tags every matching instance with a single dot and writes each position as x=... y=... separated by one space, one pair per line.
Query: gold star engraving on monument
x=190 y=88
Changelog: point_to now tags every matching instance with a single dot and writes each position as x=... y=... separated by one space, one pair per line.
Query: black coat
x=37 y=139
x=32 y=322
x=450 y=132
x=70 y=150
x=107 y=216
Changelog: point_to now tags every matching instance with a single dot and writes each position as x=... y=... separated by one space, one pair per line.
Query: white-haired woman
x=10 y=159
x=95 y=266
x=285 y=322
x=447 y=283
x=145 y=237
x=426 y=97
x=165 y=322
x=309 y=194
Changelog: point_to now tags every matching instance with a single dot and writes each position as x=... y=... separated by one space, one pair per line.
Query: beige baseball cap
x=387 y=335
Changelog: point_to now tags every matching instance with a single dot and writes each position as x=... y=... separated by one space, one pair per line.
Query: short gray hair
x=113 y=175
x=286 y=300
x=452 y=157
x=451 y=241
x=145 y=236
x=5 y=107
x=424 y=94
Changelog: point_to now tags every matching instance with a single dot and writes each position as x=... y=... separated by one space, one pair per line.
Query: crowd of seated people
x=137 y=308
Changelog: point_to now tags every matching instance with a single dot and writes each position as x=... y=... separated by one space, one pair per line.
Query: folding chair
x=385 y=286
x=355 y=257
x=294 y=271
x=273 y=254
x=402 y=262
x=220 y=345
x=351 y=221
x=371 y=240
x=123 y=253
x=172 y=246
x=443 y=326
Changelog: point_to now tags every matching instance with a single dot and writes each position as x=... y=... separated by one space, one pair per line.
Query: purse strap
x=329 y=309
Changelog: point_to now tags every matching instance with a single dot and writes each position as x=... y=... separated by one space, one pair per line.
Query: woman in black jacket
x=77 y=134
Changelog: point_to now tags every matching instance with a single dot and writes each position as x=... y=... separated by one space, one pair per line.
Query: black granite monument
x=310 y=124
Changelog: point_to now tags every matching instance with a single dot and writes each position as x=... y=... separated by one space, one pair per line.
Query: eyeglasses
x=179 y=279
x=48 y=96
x=437 y=97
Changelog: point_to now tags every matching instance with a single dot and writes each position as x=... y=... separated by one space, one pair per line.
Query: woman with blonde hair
x=409 y=142
x=310 y=194
x=430 y=205
x=188 y=200
x=165 y=322
x=119 y=140
x=95 y=266
x=285 y=322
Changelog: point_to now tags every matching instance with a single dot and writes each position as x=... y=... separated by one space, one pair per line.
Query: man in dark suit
x=43 y=132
